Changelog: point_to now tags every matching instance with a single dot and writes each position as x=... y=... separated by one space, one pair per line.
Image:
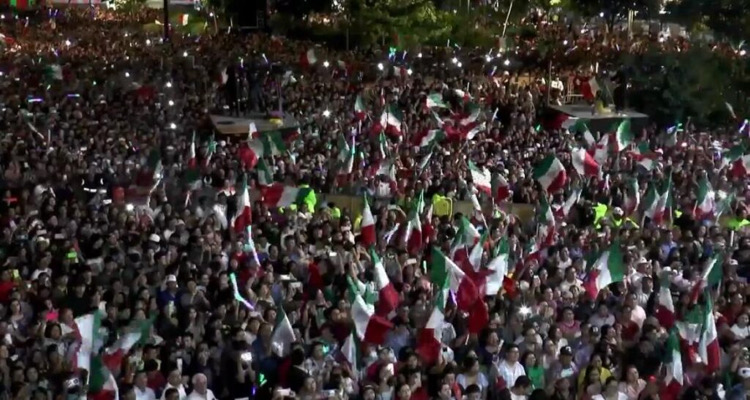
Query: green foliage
x=695 y=84
x=615 y=11
x=726 y=18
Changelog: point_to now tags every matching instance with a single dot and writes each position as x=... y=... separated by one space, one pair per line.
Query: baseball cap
x=744 y=373
x=566 y=351
x=171 y=278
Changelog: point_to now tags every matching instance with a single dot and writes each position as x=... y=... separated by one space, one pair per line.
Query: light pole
x=166 y=20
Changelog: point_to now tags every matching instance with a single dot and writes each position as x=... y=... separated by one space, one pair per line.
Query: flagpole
x=166 y=20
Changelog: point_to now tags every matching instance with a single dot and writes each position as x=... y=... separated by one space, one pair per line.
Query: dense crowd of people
x=146 y=255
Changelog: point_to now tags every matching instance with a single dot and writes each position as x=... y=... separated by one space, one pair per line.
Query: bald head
x=200 y=383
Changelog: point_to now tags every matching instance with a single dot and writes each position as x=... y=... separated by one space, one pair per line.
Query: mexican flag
x=551 y=174
x=265 y=176
x=367 y=230
x=283 y=335
x=712 y=275
x=732 y=155
x=90 y=340
x=114 y=355
x=243 y=216
x=470 y=116
x=413 y=233
x=500 y=188
x=632 y=196
x=477 y=252
x=308 y=58
x=435 y=100
x=659 y=203
x=359 y=108
x=464 y=289
x=268 y=144
x=346 y=156
x=184 y=19
x=431 y=138
x=705 y=201
x=350 y=351
x=499 y=266
x=102 y=384
x=601 y=150
x=608 y=269
x=370 y=327
x=388 y=297
x=579 y=126
x=673 y=363
x=430 y=338
x=280 y=195
x=481 y=177
x=390 y=120
x=584 y=163
x=466 y=235
x=192 y=161
x=623 y=136
x=590 y=88
x=563 y=210
x=54 y=72
x=664 y=310
x=708 y=347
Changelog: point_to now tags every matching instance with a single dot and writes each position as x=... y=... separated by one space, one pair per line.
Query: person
x=174 y=381
x=140 y=387
x=200 y=389
x=510 y=368
x=610 y=391
x=520 y=390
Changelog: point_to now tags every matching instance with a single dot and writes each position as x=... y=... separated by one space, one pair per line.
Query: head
x=200 y=383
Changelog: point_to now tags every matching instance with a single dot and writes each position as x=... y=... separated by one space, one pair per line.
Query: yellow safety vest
x=600 y=210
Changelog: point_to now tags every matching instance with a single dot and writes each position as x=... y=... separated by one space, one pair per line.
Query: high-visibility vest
x=600 y=211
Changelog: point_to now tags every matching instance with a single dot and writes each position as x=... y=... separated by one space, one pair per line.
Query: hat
x=566 y=351
x=744 y=373
x=733 y=262
x=618 y=211
x=642 y=260
x=171 y=278
x=154 y=238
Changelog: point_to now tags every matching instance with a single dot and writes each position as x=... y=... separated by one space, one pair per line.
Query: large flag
x=388 y=297
x=88 y=328
x=280 y=195
x=481 y=177
x=623 y=136
x=705 y=201
x=308 y=58
x=283 y=334
x=551 y=174
x=664 y=310
x=367 y=230
x=359 y=108
x=443 y=268
x=712 y=275
x=499 y=267
x=101 y=383
x=430 y=338
x=390 y=120
x=268 y=144
x=435 y=100
x=659 y=202
x=413 y=234
x=243 y=216
x=708 y=347
x=609 y=268
x=265 y=175
x=369 y=326
x=113 y=356
x=350 y=351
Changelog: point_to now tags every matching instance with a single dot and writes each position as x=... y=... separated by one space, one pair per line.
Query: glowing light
x=380 y=66
x=454 y=60
x=172 y=126
x=565 y=42
x=488 y=58
x=524 y=310
x=506 y=62
x=601 y=15
x=67 y=42
x=127 y=74
x=419 y=55
x=169 y=84
x=326 y=64
x=742 y=53
x=184 y=54
x=459 y=64
x=148 y=42
x=409 y=71
x=327 y=113
x=171 y=103
x=129 y=207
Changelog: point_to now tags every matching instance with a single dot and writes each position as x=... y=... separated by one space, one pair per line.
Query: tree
x=614 y=11
x=726 y=18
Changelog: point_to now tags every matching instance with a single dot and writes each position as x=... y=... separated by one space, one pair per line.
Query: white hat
x=618 y=211
x=642 y=260
x=733 y=262
x=154 y=238
x=171 y=278
x=744 y=373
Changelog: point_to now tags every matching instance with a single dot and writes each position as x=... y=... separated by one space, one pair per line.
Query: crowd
x=146 y=255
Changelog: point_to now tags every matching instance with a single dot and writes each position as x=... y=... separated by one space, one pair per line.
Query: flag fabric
x=54 y=72
x=584 y=163
x=283 y=334
x=477 y=253
x=113 y=356
x=664 y=310
x=481 y=177
x=243 y=216
x=184 y=19
x=466 y=235
x=708 y=347
x=673 y=361
x=88 y=330
x=590 y=88
x=390 y=120
x=579 y=126
x=741 y=167
x=413 y=234
x=632 y=196
x=499 y=267
x=712 y=275
x=658 y=203
x=500 y=188
x=601 y=150
x=608 y=269
x=370 y=327
x=367 y=229
x=350 y=351
x=359 y=108
x=623 y=136
x=308 y=58
x=268 y=144
x=430 y=338
x=551 y=174
x=465 y=291
x=388 y=297
x=265 y=175
x=280 y=195
x=562 y=211
x=705 y=201
x=435 y=100
x=102 y=384
x=734 y=153
x=432 y=138
x=192 y=161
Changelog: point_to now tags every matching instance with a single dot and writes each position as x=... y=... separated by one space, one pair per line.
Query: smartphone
x=246 y=357
x=285 y=392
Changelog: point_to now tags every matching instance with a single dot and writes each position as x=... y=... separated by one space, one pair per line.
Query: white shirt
x=197 y=396
x=740 y=333
x=180 y=390
x=620 y=396
x=145 y=394
x=510 y=372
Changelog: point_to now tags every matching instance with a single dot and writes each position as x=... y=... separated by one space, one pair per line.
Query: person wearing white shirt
x=741 y=329
x=143 y=392
x=610 y=391
x=174 y=381
x=510 y=369
x=200 y=389
x=602 y=317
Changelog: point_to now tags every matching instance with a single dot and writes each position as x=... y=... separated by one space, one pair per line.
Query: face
x=174 y=378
